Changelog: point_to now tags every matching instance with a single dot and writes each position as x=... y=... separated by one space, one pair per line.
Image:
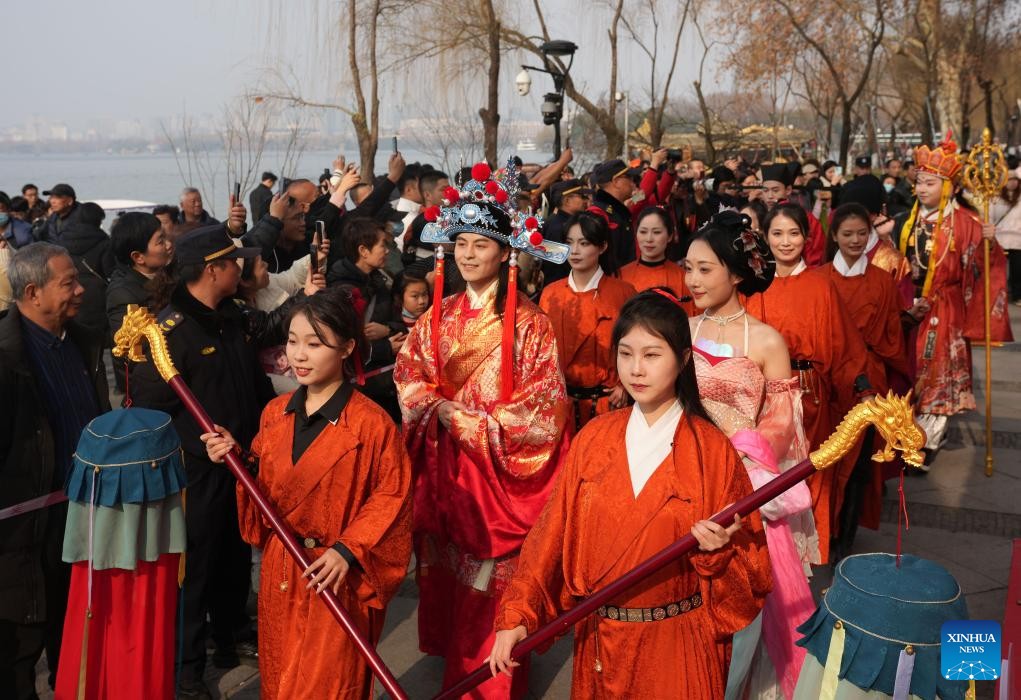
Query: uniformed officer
x=205 y=336
x=568 y=197
x=615 y=185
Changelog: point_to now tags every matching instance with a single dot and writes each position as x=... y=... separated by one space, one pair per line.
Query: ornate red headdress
x=943 y=160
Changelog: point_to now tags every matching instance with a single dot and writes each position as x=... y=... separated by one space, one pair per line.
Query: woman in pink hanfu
x=744 y=379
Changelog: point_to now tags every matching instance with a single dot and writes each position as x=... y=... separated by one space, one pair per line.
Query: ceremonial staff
x=985 y=174
x=139 y=325
x=891 y=415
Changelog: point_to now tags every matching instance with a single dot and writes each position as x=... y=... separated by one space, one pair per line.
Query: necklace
x=722 y=321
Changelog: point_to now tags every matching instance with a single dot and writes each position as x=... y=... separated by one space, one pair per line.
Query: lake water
x=151 y=177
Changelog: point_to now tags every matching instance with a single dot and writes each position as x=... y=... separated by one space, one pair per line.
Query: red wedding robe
x=807 y=310
x=480 y=485
x=583 y=325
x=594 y=530
x=352 y=485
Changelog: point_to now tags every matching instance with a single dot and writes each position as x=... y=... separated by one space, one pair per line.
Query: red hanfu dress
x=480 y=485
x=806 y=308
x=667 y=273
x=583 y=325
x=595 y=529
x=353 y=486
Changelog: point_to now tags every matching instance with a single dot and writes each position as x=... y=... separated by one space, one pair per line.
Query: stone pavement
x=959 y=518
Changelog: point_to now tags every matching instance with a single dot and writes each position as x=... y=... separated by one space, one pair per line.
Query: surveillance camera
x=618 y=96
x=523 y=82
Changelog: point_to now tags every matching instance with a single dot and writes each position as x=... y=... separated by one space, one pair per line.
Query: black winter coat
x=216 y=360
x=89 y=247
x=27 y=470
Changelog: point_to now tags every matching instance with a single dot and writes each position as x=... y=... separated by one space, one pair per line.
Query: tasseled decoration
x=905 y=669
x=437 y=305
x=831 y=671
x=359 y=368
x=509 y=319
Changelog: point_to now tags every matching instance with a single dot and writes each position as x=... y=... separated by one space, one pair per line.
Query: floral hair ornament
x=485 y=206
x=748 y=242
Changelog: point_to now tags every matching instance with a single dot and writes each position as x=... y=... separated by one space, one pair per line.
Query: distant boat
x=526 y=145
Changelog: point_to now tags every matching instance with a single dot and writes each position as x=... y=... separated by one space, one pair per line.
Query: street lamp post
x=626 y=97
x=552 y=102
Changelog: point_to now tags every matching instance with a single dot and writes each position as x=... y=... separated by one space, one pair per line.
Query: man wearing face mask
x=15 y=232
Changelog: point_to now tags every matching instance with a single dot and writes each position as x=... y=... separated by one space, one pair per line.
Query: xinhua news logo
x=970 y=650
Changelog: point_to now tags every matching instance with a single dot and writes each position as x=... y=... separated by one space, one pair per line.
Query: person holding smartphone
x=364 y=251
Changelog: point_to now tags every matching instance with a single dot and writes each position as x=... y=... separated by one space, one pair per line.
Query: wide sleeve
x=520 y=436
x=734 y=580
x=415 y=376
x=887 y=341
x=847 y=353
x=253 y=526
x=379 y=535
x=536 y=593
x=973 y=284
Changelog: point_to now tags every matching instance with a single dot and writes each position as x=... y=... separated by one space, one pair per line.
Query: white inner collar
x=593 y=282
x=856 y=270
x=648 y=445
x=872 y=242
x=477 y=301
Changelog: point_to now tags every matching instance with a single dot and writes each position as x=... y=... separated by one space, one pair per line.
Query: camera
x=674 y=154
x=552 y=108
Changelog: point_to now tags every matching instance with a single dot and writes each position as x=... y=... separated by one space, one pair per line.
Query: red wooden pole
x=678 y=549
x=286 y=536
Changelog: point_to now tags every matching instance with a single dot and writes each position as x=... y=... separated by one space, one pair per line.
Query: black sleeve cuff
x=862 y=386
x=349 y=557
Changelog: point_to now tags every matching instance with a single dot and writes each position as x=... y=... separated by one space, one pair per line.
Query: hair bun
x=741 y=248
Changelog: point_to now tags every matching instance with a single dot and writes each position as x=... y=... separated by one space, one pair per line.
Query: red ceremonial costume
x=873 y=302
x=479 y=486
x=667 y=273
x=351 y=486
x=827 y=356
x=595 y=529
x=583 y=325
x=945 y=249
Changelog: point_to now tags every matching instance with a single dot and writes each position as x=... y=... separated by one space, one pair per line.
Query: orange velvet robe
x=583 y=324
x=594 y=530
x=480 y=485
x=352 y=485
x=807 y=310
x=668 y=274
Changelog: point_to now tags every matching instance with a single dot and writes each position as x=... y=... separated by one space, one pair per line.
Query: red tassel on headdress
x=359 y=304
x=437 y=305
x=359 y=368
x=509 y=321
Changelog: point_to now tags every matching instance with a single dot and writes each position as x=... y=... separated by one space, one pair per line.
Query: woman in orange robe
x=486 y=425
x=653 y=232
x=874 y=304
x=637 y=480
x=583 y=308
x=827 y=352
x=332 y=464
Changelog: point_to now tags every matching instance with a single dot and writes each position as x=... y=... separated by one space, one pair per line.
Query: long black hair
x=841 y=214
x=738 y=247
x=597 y=232
x=664 y=318
x=334 y=308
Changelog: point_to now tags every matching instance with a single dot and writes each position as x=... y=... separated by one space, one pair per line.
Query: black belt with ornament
x=612 y=612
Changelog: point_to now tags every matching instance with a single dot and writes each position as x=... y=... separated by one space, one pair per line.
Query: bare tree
x=659 y=88
x=199 y=160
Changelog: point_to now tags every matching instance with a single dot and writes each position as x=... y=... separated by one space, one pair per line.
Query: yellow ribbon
x=830 y=674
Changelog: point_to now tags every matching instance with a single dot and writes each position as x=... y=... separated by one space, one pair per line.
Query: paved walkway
x=959 y=518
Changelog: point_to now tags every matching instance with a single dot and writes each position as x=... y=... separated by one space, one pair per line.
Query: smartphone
x=317 y=242
x=395 y=144
x=237 y=193
x=281 y=188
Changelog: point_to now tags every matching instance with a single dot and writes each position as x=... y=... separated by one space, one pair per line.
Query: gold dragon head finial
x=895 y=420
x=139 y=325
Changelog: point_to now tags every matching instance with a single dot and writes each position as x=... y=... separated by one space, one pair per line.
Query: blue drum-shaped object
x=888 y=621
